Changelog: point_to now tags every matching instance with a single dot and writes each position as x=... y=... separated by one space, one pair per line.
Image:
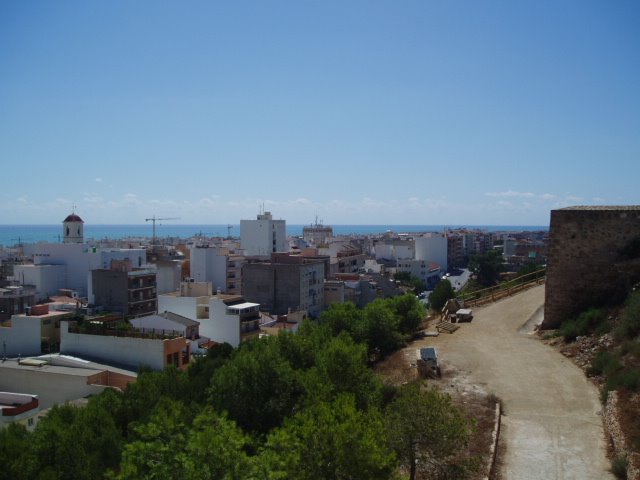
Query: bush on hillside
x=587 y=322
x=630 y=325
x=604 y=363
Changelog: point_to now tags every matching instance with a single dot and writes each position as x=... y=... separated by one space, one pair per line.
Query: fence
x=492 y=294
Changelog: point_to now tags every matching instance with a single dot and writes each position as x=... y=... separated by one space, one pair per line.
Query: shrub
x=588 y=321
x=619 y=467
x=604 y=363
x=630 y=324
x=630 y=347
x=630 y=319
x=630 y=379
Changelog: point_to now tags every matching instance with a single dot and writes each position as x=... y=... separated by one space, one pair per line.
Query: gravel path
x=552 y=428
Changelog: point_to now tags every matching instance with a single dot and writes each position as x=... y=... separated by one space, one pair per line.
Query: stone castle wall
x=593 y=258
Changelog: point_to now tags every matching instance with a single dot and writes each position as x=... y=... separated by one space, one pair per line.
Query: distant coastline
x=13 y=234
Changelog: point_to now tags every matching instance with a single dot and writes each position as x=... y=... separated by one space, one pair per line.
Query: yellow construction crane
x=154 y=220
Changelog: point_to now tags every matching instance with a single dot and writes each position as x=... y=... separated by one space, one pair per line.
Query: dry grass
x=479 y=405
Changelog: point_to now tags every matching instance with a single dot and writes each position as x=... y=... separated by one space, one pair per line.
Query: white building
x=509 y=247
x=56 y=379
x=428 y=272
x=168 y=275
x=135 y=350
x=21 y=337
x=263 y=236
x=317 y=234
x=223 y=318
x=218 y=265
x=19 y=408
x=432 y=247
x=47 y=279
x=67 y=265
x=394 y=249
x=25 y=334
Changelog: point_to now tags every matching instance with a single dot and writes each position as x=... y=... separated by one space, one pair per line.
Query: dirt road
x=551 y=428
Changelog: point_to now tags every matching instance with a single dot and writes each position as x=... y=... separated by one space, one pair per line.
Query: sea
x=11 y=235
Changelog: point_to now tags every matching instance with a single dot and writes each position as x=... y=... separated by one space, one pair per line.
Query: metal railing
x=506 y=289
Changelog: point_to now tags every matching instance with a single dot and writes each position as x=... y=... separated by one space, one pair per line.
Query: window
x=30 y=422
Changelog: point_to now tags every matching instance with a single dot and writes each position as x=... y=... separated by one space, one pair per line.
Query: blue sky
x=372 y=112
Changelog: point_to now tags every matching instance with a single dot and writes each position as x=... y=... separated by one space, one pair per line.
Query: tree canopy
x=443 y=292
x=487 y=267
x=428 y=432
x=305 y=406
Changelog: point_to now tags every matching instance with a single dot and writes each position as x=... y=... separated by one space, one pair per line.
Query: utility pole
x=154 y=220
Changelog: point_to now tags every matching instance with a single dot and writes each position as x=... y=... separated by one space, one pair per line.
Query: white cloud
x=511 y=193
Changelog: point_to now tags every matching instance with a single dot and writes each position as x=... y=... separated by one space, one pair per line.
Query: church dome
x=73 y=218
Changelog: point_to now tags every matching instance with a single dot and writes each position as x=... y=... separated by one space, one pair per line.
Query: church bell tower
x=73 y=229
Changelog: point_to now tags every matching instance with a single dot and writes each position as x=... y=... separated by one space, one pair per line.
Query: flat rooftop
x=66 y=365
x=604 y=207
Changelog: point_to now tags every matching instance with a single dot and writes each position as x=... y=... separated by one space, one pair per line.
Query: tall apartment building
x=344 y=257
x=123 y=289
x=263 y=236
x=286 y=282
x=217 y=265
x=317 y=234
x=477 y=242
x=432 y=247
x=394 y=249
x=455 y=250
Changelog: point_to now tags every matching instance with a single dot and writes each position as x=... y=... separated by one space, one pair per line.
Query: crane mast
x=155 y=219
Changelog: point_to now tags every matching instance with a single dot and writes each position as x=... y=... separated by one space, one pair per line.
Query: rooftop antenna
x=154 y=219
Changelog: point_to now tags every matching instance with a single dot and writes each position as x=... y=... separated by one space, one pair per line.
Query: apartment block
x=285 y=283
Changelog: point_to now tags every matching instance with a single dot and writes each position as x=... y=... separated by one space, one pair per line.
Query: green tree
x=443 y=292
x=408 y=280
x=216 y=449
x=300 y=349
x=342 y=368
x=15 y=454
x=74 y=443
x=329 y=441
x=345 y=317
x=382 y=327
x=157 y=451
x=141 y=396
x=427 y=432
x=487 y=267
x=170 y=446
x=410 y=312
x=201 y=371
x=258 y=388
